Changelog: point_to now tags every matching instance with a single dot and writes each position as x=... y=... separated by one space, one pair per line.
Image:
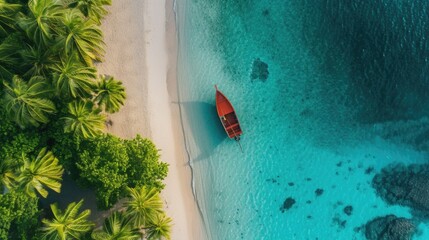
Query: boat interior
x=230 y=122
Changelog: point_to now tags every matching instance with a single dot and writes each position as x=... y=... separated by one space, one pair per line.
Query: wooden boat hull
x=227 y=116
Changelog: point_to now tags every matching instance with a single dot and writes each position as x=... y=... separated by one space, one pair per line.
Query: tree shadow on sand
x=205 y=127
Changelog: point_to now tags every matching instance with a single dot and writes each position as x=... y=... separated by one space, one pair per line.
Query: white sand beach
x=140 y=39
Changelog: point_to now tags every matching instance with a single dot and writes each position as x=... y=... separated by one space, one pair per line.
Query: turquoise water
x=343 y=99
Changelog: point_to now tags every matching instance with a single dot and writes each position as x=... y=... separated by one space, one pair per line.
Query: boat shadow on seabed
x=206 y=129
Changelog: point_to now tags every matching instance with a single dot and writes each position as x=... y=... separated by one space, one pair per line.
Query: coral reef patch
x=404 y=185
x=389 y=227
x=287 y=204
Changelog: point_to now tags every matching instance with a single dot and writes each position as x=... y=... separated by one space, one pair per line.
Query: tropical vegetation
x=27 y=103
x=110 y=94
x=83 y=120
x=117 y=227
x=143 y=218
x=70 y=224
x=143 y=205
x=19 y=215
x=159 y=227
x=53 y=111
x=43 y=172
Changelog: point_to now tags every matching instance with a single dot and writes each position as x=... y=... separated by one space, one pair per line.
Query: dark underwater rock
x=369 y=170
x=318 y=192
x=348 y=210
x=259 y=70
x=287 y=204
x=389 y=227
x=404 y=185
x=339 y=222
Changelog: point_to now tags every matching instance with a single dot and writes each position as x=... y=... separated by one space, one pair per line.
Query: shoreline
x=141 y=51
x=199 y=228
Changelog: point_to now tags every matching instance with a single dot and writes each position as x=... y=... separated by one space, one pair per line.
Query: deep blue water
x=346 y=94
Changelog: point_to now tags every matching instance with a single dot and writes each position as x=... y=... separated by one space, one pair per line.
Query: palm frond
x=92 y=9
x=8 y=11
x=69 y=224
x=110 y=94
x=117 y=227
x=7 y=173
x=27 y=103
x=36 y=61
x=41 y=21
x=81 y=36
x=43 y=172
x=9 y=58
x=143 y=205
x=73 y=79
x=83 y=120
x=159 y=228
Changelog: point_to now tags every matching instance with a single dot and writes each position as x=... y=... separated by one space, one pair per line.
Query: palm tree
x=143 y=205
x=8 y=12
x=83 y=120
x=93 y=9
x=43 y=172
x=36 y=60
x=81 y=36
x=71 y=78
x=7 y=173
x=68 y=225
x=159 y=228
x=8 y=57
x=41 y=20
x=110 y=93
x=27 y=103
x=117 y=227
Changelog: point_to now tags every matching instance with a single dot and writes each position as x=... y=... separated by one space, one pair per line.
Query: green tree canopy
x=27 y=103
x=147 y=169
x=110 y=94
x=110 y=164
x=69 y=224
x=103 y=162
x=63 y=145
x=8 y=128
x=11 y=156
x=18 y=215
x=43 y=172
x=21 y=143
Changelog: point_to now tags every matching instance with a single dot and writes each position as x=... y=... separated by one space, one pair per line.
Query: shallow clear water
x=344 y=95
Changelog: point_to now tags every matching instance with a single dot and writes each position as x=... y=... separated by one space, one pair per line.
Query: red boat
x=227 y=116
